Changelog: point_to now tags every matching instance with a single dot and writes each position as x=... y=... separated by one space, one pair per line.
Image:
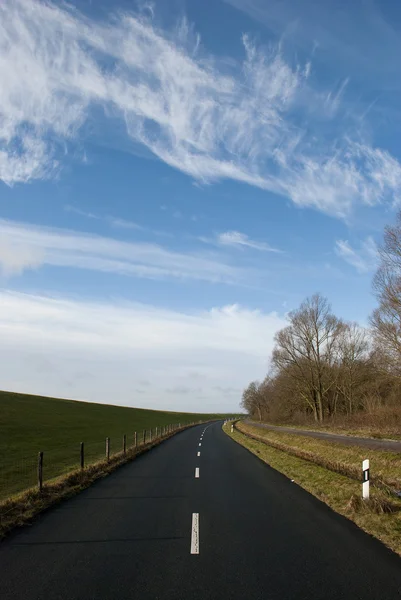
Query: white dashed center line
x=198 y=453
x=200 y=444
x=195 y=534
x=197 y=473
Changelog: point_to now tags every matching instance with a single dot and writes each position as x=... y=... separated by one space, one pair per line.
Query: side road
x=347 y=440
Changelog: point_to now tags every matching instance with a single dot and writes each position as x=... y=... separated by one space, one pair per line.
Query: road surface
x=136 y=534
x=347 y=440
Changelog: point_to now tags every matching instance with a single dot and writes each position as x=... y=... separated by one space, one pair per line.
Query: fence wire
x=20 y=473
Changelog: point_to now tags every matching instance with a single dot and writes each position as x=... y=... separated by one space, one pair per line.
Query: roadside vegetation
x=380 y=516
x=30 y=424
x=335 y=374
x=385 y=467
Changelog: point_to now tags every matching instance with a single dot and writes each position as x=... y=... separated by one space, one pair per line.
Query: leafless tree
x=353 y=347
x=308 y=346
x=251 y=400
x=386 y=319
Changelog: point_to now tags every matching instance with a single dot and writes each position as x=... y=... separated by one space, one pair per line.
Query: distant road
x=158 y=528
x=348 y=440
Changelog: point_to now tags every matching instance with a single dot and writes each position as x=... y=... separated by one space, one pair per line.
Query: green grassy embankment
x=327 y=470
x=29 y=424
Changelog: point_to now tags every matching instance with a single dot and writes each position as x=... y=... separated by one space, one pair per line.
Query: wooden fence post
x=82 y=456
x=108 y=448
x=144 y=436
x=125 y=443
x=150 y=435
x=135 y=440
x=40 y=471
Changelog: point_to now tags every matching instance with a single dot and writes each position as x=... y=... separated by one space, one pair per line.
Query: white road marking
x=197 y=473
x=200 y=444
x=198 y=453
x=195 y=534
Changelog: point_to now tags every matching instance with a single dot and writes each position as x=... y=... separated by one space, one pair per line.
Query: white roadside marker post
x=365 y=480
x=232 y=428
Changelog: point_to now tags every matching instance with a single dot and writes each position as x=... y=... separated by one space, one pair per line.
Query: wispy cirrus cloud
x=100 y=351
x=115 y=222
x=24 y=246
x=245 y=124
x=364 y=258
x=239 y=240
x=236 y=238
x=360 y=38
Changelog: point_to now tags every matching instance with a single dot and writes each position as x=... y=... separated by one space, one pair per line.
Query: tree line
x=322 y=366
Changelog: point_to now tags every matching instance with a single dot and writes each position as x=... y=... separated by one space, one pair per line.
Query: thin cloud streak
x=115 y=222
x=241 y=240
x=364 y=259
x=62 y=248
x=178 y=103
x=235 y=238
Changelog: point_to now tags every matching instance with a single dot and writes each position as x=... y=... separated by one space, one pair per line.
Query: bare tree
x=386 y=319
x=308 y=346
x=252 y=400
x=353 y=346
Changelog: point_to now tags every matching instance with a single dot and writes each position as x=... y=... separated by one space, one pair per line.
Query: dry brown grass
x=380 y=422
x=376 y=504
x=380 y=516
x=385 y=466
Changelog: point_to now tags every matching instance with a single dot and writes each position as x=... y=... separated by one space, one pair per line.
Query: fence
x=20 y=473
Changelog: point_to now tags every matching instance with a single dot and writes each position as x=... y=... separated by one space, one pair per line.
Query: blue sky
x=175 y=176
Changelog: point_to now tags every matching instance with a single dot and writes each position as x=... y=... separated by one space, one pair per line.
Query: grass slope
x=30 y=424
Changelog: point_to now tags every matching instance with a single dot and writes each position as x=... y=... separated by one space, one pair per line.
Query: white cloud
x=55 y=65
x=18 y=257
x=82 y=213
x=332 y=99
x=123 y=223
x=235 y=238
x=102 y=352
x=363 y=259
x=63 y=248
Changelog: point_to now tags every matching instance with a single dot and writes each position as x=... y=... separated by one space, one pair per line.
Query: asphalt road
x=347 y=440
x=259 y=537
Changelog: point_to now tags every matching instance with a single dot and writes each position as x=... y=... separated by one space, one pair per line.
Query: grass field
x=29 y=424
x=381 y=516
